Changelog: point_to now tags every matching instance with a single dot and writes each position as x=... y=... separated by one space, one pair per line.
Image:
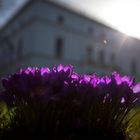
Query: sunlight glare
x=123 y=15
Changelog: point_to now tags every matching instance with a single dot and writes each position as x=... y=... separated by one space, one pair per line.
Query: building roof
x=56 y=4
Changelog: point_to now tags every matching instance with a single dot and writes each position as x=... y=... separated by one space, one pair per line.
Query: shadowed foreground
x=60 y=104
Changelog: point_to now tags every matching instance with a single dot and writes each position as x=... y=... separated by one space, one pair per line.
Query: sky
x=8 y=8
x=122 y=15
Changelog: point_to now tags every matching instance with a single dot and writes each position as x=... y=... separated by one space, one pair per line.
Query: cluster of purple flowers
x=61 y=102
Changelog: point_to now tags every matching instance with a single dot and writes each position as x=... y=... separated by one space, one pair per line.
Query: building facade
x=44 y=33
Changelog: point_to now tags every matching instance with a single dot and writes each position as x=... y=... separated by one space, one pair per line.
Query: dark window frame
x=90 y=30
x=133 y=67
x=59 y=44
x=20 y=48
x=89 y=52
x=60 y=19
x=101 y=56
x=112 y=57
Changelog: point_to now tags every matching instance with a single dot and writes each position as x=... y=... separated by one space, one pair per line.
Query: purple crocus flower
x=62 y=103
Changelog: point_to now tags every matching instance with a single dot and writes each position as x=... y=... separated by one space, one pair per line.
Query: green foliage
x=133 y=129
x=6 y=115
x=59 y=103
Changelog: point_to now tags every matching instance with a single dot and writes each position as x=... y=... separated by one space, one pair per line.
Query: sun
x=124 y=15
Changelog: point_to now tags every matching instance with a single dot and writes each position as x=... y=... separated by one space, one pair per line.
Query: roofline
x=80 y=14
x=17 y=14
x=28 y=3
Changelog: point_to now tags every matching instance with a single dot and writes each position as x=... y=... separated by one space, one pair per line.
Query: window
x=8 y=49
x=103 y=37
x=59 y=47
x=20 y=49
x=90 y=30
x=60 y=19
x=112 y=58
x=101 y=56
x=133 y=67
x=89 y=54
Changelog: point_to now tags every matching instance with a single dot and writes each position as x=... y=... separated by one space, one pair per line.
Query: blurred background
x=93 y=35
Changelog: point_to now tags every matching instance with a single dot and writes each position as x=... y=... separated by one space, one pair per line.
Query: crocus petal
x=136 y=88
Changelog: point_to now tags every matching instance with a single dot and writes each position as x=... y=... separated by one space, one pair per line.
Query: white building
x=44 y=33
